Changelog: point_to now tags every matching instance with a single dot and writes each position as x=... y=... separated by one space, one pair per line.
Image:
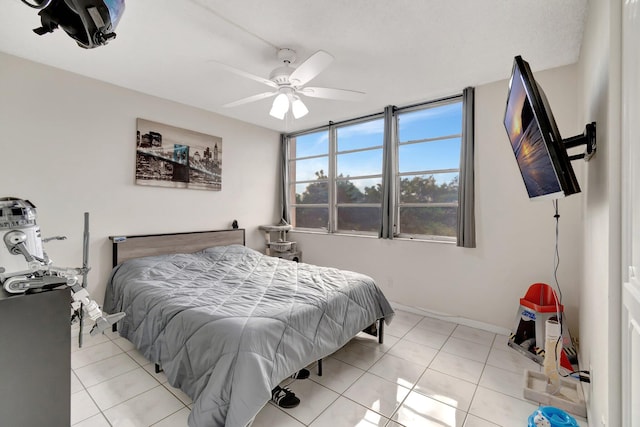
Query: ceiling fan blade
x=244 y=73
x=310 y=68
x=252 y=98
x=330 y=93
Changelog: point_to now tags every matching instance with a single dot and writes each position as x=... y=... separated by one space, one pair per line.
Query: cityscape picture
x=167 y=156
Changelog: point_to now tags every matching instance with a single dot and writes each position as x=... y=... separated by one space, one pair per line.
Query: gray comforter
x=227 y=324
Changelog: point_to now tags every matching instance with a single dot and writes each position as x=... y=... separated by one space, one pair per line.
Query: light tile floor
x=428 y=372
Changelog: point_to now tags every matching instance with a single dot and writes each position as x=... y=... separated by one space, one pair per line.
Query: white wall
x=68 y=145
x=515 y=236
x=600 y=294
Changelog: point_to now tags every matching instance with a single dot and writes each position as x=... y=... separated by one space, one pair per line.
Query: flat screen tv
x=536 y=142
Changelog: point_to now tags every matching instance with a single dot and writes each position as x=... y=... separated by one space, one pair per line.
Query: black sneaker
x=284 y=398
x=302 y=374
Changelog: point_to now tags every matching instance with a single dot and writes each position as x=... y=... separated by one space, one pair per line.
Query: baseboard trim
x=451 y=318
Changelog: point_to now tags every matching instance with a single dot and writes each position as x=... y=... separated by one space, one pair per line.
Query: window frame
x=394 y=144
x=397 y=144
x=291 y=184
x=334 y=220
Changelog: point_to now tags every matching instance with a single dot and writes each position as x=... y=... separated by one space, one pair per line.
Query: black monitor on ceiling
x=540 y=152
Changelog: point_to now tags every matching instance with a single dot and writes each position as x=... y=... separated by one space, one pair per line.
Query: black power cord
x=583 y=376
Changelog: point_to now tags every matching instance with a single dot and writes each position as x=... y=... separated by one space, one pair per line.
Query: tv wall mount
x=588 y=138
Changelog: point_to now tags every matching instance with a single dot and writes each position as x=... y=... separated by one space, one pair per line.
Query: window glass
x=312 y=193
x=358 y=176
x=336 y=179
x=308 y=172
x=429 y=220
x=310 y=169
x=431 y=155
x=360 y=163
x=361 y=135
x=359 y=218
x=311 y=144
x=311 y=217
x=428 y=170
x=434 y=188
x=367 y=190
x=430 y=122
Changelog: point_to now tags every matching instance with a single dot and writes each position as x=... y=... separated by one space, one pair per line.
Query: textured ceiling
x=396 y=51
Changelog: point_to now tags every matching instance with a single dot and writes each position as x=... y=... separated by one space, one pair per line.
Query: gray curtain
x=466 y=236
x=284 y=179
x=387 y=228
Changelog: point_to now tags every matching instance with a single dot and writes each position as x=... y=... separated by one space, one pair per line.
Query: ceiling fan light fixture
x=298 y=108
x=288 y=82
x=280 y=106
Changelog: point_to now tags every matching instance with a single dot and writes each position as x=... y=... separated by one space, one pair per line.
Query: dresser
x=35 y=359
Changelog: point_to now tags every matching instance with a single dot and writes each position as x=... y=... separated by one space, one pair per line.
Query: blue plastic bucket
x=549 y=416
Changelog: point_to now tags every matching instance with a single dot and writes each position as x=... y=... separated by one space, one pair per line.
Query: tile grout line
x=103 y=381
x=413 y=388
x=475 y=391
x=130 y=398
x=382 y=354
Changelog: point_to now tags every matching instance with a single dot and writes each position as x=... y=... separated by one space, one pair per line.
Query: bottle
x=552 y=352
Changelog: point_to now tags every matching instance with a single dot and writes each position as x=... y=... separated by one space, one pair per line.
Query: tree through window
x=336 y=174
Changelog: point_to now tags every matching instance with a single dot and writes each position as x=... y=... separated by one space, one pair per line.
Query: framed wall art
x=167 y=156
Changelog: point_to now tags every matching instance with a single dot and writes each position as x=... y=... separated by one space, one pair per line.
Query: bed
x=227 y=323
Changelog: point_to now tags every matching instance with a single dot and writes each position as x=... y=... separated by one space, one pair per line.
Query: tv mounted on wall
x=540 y=151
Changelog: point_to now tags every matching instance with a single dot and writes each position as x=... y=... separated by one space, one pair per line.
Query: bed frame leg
x=158 y=369
x=380 y=331
x=319 y=367
x=114 y=327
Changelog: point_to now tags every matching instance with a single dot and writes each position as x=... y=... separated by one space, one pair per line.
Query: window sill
x=326 y=233
x=425 y=239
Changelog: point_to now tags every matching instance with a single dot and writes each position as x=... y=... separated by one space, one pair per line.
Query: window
x=428 y=162
x=336 y=173
x=309 y=183
x=358 y=177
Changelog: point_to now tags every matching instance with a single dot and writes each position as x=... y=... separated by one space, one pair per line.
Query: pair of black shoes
x=285 y=398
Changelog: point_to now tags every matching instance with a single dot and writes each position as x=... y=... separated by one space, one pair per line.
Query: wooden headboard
x=129 y=247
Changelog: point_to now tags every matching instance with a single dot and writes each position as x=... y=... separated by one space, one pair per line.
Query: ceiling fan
x=288 y=84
